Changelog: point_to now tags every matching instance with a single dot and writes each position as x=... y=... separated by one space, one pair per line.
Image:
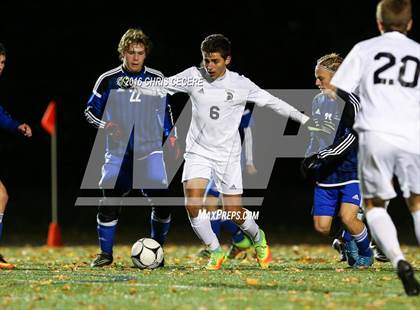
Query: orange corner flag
x=48 y=119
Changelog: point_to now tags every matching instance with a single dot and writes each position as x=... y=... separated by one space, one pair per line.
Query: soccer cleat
x=363 y=262
x=204 y=253
x=352 y=252
x=101 y=260
x=377 y=252
x=4 y=264
x=339 y=247
x=238 y=249
x=406 y=274
x=216 y=259
x=263 y=251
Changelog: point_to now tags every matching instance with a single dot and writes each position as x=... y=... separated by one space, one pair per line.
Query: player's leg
x=408 y=173
x=3 y=202
x=358 y=231
x=150 y=175
x=240 y=241
x=113 y=187
x=211 y=204
x=232 y=204
x=200 y=222
x=413 y=203
x=377 y=160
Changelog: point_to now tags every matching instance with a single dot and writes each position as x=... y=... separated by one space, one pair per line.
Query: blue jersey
x=113 y=100
x=7 y=122
x=337 y=151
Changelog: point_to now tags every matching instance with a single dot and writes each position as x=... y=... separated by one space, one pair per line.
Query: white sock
x=416 y=219
x=251 y=228
x=385 y=234
x=202 y=228
x=1 y=217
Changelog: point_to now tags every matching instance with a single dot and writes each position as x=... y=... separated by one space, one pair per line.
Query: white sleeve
x=263 y=98
x=349 y=73
x=181 y=82
x=248 y=145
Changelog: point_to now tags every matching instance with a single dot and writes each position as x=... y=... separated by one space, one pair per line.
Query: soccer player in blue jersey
x=116 y=108
x=11 y=125
x=332 y=161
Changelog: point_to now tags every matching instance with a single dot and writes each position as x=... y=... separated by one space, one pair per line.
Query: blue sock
x=233 y=230
x=347 y=236
x=363 y=243
x=159 y=228
x=1 y=223
x=106 y=236
x=216 y=226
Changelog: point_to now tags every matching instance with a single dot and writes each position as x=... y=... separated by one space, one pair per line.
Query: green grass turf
x=301 y=277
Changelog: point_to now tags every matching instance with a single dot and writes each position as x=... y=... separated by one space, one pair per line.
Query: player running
x=115 y=107
x=386 y=71
x=332 y=160
x=11 y=125
x=213 y=146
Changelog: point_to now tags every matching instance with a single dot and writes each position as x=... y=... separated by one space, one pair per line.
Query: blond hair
x=136 y=36
x=330 y=62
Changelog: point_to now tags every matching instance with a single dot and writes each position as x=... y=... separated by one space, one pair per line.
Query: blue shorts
x=327 y=200
x=123 y=175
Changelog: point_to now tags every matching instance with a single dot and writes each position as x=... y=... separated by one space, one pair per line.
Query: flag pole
x=54 y=200
x=49 y=123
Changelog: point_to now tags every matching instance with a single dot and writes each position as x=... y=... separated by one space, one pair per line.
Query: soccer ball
x=146 y=253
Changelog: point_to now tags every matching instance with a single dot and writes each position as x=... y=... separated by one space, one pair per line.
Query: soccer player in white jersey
x=213 y=145
x=386 y=70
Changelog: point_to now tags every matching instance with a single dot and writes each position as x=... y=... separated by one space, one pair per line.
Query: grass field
x=301 y=277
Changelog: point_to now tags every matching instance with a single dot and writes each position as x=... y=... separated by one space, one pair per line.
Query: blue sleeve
x=7 y=122
x=169 y=120
x=96 y=105
x=348 y=138
x=313 y=140
x=246 y=120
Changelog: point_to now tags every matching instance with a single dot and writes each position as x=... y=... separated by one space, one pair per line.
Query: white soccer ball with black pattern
x=146 y=253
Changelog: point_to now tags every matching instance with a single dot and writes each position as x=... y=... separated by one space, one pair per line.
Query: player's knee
x=348 y=218
x=161 y=212
x=413 y=202
x=4 y=197
x=322 y=228
x=108 y=214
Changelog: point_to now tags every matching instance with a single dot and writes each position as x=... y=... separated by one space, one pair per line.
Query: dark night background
x=58 y=51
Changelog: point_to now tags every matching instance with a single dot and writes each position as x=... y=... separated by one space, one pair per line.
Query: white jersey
x=217 y=108
x=386 y=70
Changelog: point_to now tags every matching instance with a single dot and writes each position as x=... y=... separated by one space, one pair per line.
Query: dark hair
x=394 y=14
x=216 y=43
x=2 y=50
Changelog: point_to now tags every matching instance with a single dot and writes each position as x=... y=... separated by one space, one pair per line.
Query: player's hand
x=309 y=166
x=114 y=130
x=174 y=146
x=25 y=130
x=250 y=169
x=324 y=128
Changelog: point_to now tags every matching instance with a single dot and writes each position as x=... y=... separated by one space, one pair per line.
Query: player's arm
x=8 y=123
x=343 y=144
x=349 y=74
x=263 y=98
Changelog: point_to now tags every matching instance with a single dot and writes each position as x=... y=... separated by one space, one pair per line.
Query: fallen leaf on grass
x=251 y=281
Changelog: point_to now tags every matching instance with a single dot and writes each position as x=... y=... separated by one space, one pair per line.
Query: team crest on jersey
x=229 y=95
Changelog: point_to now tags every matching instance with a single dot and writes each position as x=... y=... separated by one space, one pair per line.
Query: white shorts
x=227 y=175
x=379 y=161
